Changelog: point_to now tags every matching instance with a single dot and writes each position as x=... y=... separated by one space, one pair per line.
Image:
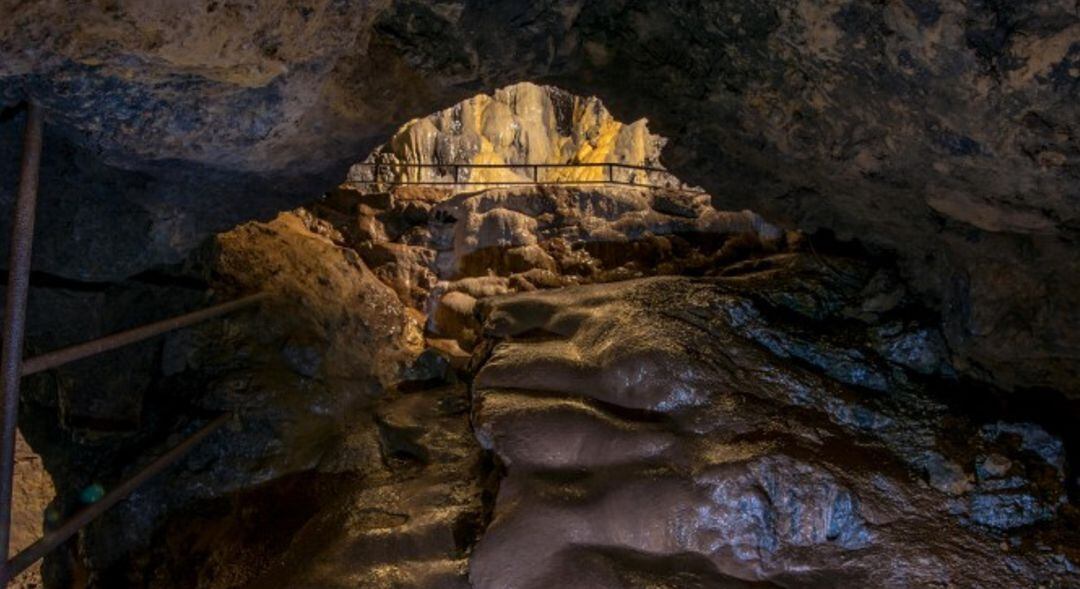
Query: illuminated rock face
x=442 y=248
x=688 y=431
x=518 y=125
x=944 y=132
x=30 y=498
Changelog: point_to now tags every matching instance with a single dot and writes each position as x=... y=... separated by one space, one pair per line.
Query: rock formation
x=527 y=386
x=943 y=132
x=687 y=432
x=520 y=125
x=32 y=494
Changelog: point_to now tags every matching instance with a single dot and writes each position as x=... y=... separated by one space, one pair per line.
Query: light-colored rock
x=454 y=318
x=520 y=125
x=32 y=493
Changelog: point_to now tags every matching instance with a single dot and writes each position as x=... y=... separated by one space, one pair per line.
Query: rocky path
x=410 y=525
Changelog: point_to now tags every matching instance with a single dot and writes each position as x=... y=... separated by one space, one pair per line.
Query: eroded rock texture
x=442 y=251
x=396 y=501
x=521 y=387
x=519 y=125
x=334 y=406
x=664 y=388
x=297 y=375
x=31 y=495
x=691 y=433
x=944 y=131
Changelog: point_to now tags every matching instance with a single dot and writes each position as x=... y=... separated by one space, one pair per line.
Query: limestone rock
x=31 y=496
x=294 y=374
x=520 y=125
x=550 y=216
x=651 y=423
x=405 y=268
x=454 y=317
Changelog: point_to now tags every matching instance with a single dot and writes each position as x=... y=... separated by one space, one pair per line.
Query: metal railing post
x=13 y=368
x=22 y=240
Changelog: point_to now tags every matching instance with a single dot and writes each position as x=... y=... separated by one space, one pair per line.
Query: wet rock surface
x=652 y=423
x=526 y=387
x=396 y=501
x=781 y=419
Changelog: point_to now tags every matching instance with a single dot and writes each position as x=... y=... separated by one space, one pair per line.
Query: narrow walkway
x=493 y=175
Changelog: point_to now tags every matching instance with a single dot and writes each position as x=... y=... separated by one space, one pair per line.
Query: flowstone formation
x=772 y=426
x=518 y=126
x=674 y=394
x=525 y=386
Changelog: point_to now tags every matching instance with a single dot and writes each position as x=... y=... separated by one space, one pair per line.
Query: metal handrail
x=62 y=356
x=53 y=538
x=470 y=165
x=610 y=167
x=13 y=368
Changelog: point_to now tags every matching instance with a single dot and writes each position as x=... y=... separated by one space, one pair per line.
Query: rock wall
x=298 y=375
x=618 y=386
x=30 y=501
x=943 y=131
x=939 y=132
x=692 y=432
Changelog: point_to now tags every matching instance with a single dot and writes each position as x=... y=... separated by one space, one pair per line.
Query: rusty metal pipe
x=123 y=338
x=22 y=241
x=54 y=538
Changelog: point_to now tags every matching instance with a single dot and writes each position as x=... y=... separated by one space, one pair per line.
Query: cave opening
x=511 y=348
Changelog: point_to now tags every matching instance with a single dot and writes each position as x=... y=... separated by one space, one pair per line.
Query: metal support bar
x=22 y=240
x=116 y=340
x=56 y=537
x=609 y=166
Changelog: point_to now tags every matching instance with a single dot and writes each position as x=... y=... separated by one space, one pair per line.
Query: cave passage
x=512 y=349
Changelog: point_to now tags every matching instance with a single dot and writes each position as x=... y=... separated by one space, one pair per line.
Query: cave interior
x=459 y=294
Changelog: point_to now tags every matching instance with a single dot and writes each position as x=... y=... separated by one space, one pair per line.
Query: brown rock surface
x=795 y=419
x=31 y=496
x=783 y=416
x=682 y=432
